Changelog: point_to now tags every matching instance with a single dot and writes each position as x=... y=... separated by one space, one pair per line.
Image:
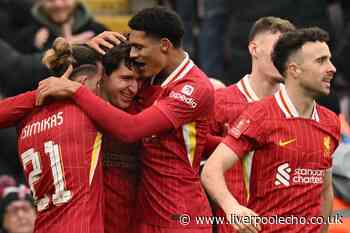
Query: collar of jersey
x=246 y=89
x=288 y=108
x=185 y=66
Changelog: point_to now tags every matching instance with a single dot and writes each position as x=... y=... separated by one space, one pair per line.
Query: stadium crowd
x=204 y=108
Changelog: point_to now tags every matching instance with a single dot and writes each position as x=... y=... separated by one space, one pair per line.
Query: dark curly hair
x=159 y=22
x=291 y=42
x=115 y=57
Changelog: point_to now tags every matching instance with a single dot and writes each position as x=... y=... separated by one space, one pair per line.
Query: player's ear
x=81 y=79
x=293 y=69
x=165 y=45
x=252 y=47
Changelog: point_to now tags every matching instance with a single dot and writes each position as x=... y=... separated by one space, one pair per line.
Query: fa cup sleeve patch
x=239 y=126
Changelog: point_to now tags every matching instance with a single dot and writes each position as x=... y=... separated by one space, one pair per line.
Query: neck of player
x=174 y=59
x=263 y=86
x=301 y=99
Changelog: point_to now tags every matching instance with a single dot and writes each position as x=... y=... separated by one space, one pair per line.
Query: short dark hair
x=115 y=57
x=159 y=22
x=270 y=24
x=291 y=42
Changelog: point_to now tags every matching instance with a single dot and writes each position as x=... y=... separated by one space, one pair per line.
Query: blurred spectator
x=14 y=15
x=52 y=18
x=214 y=16
x=17 y=211
x=19 y=72
x=301 y=13
x=188 y=13
x=205 y=24
x=345 y=119
x=341 y=186
x=9 y=161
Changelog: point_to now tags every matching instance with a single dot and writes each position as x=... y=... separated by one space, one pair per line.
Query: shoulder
x=329 y=119
x=229 y=94
x=259 y=109
x=326 y=115
x=194 y=83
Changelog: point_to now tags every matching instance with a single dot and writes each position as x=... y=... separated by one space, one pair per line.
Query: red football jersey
x=290 y=159
x=121 y=179
x=60 y=149
x=229 y=104
x=122 y=173
x=170 y=183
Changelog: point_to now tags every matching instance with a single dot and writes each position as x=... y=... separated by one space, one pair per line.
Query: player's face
x=121 y=87
x=19 y=217
x=316 y=68
x=59 y=11
x=265 y=43
x=146 y=52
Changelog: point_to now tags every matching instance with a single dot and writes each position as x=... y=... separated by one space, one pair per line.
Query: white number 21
x=53 y=151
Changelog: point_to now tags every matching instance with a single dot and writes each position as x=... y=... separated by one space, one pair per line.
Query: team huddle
x=114 y=141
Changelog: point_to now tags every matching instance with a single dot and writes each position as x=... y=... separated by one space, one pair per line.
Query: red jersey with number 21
x=60 y=148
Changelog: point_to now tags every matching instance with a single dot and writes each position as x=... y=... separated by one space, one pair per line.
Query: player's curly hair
x=62 y=54
x=290 y=42
x=159 y=22
x=115 y=57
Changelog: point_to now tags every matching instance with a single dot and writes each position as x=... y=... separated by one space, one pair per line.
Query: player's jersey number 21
x=61 y=195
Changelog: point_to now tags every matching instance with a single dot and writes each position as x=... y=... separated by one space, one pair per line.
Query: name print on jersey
x=40 y=126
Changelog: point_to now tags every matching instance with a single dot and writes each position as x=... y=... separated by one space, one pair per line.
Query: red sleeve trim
x=235 y=146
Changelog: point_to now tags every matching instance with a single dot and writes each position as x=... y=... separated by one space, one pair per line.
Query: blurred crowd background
x=216 y=35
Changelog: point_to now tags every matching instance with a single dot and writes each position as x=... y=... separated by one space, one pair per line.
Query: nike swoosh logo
x=284 y=143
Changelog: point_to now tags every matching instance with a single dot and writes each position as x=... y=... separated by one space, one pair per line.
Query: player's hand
x=56 y=87
x=106 y=39
x=236 y=215
x=81 y=38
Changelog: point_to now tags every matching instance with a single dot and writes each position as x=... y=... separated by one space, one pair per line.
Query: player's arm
x=14 y=108
x=327 y=198
x=121 y=125
x=170 y=112
x=211 y=144
x=213 y=180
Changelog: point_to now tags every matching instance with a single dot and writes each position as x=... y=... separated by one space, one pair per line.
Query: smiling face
x=315 y=68
x=59 y=11
x=121 y=86
x=147 y=54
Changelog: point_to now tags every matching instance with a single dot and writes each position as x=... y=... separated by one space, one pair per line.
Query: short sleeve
x=247 y=132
